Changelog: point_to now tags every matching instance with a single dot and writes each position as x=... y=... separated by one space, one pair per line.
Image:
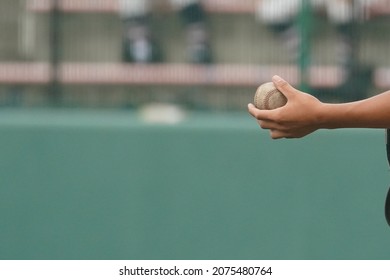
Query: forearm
x=373 y=112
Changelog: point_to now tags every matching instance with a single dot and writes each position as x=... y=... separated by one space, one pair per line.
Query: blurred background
x=84 y=53
x=124 y=132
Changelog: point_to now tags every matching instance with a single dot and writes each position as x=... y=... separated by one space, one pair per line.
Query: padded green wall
x=105 y=185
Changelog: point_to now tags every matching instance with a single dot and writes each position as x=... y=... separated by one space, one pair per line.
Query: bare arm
x=304 y=114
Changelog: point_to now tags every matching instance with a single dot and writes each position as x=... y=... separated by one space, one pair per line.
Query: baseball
x=268 y=97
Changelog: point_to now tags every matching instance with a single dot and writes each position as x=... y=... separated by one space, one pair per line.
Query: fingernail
x=277 y=79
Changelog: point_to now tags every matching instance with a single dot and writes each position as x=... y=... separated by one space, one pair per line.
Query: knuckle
x=258 y=115
x=278 y=118
x=283 y=84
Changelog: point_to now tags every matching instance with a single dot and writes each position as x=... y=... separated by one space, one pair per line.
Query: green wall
x=105 y=185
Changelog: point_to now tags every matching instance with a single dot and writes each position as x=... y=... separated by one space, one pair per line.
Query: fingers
x=283 y=86
x=259 y=114
x=264 y=119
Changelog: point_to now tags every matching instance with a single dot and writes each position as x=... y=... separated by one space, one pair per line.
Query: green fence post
x=55 y=51
x=304 y=60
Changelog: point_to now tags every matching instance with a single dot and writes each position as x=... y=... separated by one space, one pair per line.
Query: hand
x=298 y=118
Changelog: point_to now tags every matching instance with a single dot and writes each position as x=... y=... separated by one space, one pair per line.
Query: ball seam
x=268 y=97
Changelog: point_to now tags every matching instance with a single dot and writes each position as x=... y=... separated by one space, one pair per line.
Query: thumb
x=283 y=86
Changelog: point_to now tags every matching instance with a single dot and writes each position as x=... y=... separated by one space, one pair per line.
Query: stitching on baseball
x=268 y=97
x=257 y=100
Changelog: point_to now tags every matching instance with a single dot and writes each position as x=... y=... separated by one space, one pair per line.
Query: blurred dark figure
x=138 y=43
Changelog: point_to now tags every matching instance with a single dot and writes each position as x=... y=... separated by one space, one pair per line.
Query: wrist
x=331 y=116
